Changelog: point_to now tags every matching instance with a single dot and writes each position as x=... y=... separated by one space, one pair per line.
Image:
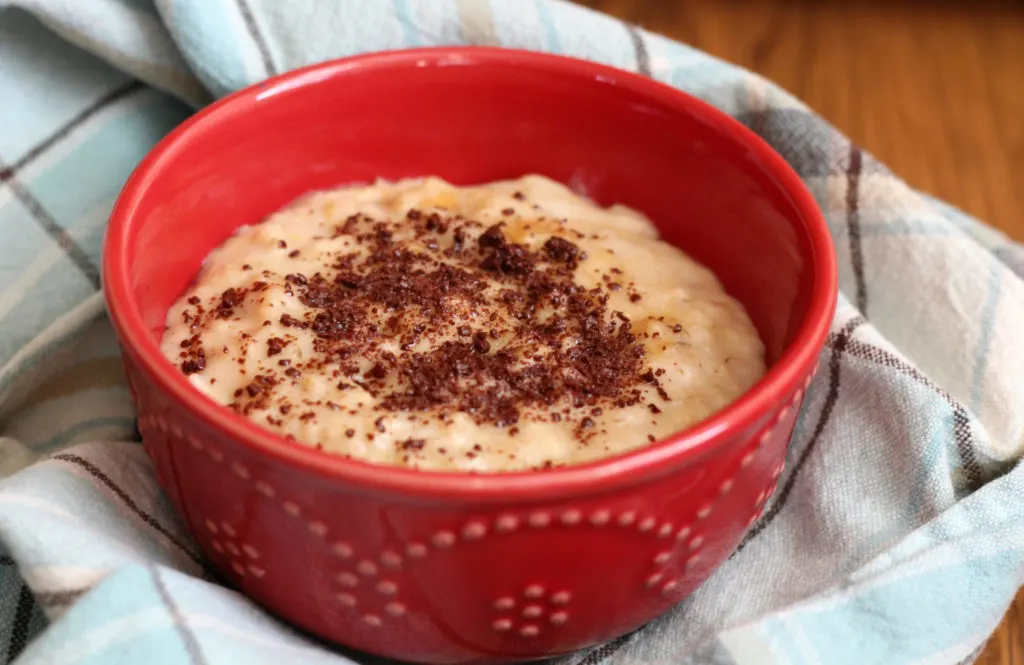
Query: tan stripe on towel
x=477 y=22
x=90 y=374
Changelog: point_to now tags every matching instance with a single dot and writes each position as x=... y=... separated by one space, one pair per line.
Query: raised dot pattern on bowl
x=377 y=578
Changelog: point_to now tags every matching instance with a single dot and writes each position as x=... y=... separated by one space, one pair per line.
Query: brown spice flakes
x=493 y=236
x=260 y=384
x=518 y=196
x=412 y=444
x=635 y=297
x=435 y=224
x=194 y=364
x=230 y=299
x=504 y=257
x=561 y=250
x=289 y=321
x=654 y=408
x=193 y=354
x=275 y=345
x=508 y=260
x=508 y=212
x=650 y=377
x=538 y=339
x=255 y=395
x=458 y=240
x=351 y=222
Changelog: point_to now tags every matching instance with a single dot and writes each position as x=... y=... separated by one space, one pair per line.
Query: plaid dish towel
x=897 y=533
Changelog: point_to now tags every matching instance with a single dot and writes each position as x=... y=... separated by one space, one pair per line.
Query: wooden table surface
x=933 y=88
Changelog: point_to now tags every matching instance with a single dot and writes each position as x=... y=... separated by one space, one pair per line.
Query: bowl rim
x=605 y=474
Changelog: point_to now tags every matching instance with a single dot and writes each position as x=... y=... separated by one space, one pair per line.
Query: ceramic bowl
x=451 y=567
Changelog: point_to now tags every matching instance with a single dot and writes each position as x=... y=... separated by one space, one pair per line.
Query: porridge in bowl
x=499 y=327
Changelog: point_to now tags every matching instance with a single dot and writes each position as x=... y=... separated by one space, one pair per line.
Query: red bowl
x=451 y=567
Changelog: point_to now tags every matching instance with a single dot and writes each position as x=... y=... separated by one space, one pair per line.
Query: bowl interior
x=470 y=116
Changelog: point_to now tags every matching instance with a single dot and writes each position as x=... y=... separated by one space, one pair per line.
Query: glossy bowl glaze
x=448 y=567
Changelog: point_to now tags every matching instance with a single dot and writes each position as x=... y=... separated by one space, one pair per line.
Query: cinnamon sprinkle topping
x=548 y=342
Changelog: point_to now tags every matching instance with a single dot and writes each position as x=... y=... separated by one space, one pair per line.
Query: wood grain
x=933 y=88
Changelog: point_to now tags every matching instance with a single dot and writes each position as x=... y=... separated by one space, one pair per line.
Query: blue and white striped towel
x=897 y=535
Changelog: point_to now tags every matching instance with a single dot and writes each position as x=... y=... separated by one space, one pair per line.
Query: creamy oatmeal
x=499 y=327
